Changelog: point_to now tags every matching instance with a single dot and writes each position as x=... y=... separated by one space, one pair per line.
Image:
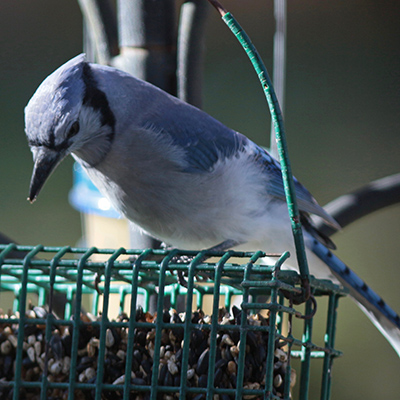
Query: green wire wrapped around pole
x=276 y=115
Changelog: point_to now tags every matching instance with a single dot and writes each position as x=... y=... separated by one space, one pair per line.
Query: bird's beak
x=46 y=160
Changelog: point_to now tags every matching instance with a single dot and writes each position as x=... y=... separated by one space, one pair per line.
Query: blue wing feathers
x=207 y=141
x=275 y=188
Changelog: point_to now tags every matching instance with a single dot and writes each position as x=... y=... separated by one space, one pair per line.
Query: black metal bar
x=191 y=37
x=100 y=30
x=147 y=40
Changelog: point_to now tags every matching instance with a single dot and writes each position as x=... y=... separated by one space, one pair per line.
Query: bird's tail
x=381 y=315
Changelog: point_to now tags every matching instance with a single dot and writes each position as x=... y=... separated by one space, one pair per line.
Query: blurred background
x=342 y=121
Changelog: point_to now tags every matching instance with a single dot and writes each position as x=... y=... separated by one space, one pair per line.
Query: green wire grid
x=46 y=271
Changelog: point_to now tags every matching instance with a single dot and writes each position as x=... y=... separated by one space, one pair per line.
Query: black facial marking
x=34 y=143
x=52 y=138
x=49 y=142
x=73 y=130
x=96 y=99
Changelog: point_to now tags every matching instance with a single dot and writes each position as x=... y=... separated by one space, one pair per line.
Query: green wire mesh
x=239 y=345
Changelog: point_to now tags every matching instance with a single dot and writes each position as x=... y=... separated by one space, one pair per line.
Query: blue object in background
x=86 y=198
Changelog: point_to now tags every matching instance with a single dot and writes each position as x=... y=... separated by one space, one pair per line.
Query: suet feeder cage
x=195 y=344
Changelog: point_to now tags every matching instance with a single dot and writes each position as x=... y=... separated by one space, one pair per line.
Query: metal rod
x=190 y=51
x=101 y=35
x=132 y=323
x=279 y=64
x=159 y=324
x=306 y=354
x=188 y=324
x=76 y=321
x=147 y=40
x=22 y=318
x=277 y=119
x=105 y=322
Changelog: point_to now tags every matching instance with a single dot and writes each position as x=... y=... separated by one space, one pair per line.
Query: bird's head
x=66 y=113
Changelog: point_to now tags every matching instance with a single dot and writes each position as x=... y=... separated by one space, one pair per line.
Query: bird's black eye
x=74 y=129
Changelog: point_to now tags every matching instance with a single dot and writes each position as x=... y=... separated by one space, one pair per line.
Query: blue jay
x=178 y=173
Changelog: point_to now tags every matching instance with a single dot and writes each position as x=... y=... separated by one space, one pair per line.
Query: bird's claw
x=97 y=280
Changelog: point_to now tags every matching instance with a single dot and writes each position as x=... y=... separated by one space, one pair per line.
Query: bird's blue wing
x=204 y=139
x=275 y=188
x=207 y=141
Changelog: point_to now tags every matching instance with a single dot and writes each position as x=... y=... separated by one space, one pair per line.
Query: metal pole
x=190 y=51
x=100 y=30
x=147 y=41
x=279 y=67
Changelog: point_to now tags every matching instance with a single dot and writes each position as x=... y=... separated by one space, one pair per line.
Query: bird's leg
x=97 y=280
x=225 y=245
